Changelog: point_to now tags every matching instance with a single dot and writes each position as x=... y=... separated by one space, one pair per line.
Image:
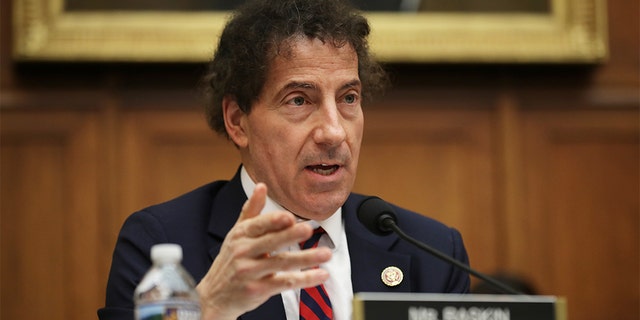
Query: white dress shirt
x=338 y=286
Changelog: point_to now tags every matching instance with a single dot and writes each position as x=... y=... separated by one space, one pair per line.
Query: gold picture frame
x=574 y=31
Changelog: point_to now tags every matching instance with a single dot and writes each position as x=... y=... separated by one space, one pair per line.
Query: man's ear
x=235 y=121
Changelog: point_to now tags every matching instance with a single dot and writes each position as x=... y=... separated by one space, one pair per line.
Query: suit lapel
x=225 y=210
x=371 y=254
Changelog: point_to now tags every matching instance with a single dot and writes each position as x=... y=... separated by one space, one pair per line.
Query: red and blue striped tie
x=314 y=302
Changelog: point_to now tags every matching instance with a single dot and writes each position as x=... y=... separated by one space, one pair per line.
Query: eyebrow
x=297 y=85
x=308 y=85
x=355 y=83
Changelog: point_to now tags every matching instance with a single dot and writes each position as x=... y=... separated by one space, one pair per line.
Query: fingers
x=272 y=238
x=300 y=279
x=276 y=283
x=253 y=225
x=268 y=223
x=254 y=205
x=288 y=276
x=287 y=261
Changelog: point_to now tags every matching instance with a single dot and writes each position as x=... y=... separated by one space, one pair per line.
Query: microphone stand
x=388 y=222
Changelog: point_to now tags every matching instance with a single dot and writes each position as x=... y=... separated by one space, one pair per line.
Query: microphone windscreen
x=370 y=212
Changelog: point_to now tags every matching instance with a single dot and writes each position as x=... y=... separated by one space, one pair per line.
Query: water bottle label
x=167 y=312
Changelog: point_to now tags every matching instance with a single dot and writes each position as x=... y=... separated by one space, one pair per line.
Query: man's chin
x=321 y=207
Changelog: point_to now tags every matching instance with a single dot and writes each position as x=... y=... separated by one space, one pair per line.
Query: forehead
x=305 y=56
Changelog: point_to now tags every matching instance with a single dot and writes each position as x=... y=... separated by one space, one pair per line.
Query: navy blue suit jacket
x=200 y=219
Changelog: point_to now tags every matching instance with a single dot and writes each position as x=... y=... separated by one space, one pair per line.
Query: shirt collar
x=332 y=225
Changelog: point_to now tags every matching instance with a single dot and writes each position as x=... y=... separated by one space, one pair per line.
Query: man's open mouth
x=324 y=169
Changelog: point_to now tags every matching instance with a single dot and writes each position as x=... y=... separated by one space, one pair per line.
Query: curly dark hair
x=262 y=29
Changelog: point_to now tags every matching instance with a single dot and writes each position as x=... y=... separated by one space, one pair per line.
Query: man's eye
x=350 y=98
x=298 y=101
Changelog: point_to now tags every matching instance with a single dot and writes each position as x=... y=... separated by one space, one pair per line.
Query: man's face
x=302 y=137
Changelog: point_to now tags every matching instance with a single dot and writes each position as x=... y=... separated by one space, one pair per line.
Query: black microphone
x=378 y=216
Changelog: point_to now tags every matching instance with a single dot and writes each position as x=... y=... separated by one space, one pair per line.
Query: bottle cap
x=166 y=253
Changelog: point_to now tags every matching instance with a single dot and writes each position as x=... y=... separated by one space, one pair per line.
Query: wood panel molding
x=581 y=212
x=439 y=163
x=50 y=215
x=165 y=154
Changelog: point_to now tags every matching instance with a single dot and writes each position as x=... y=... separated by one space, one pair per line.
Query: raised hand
x=246 y=272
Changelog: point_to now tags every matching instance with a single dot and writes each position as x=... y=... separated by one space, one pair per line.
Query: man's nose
x=330 y=128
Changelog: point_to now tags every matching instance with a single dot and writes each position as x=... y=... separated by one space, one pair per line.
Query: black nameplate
x=424 y=306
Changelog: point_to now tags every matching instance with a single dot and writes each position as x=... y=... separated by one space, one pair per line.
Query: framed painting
x=408 y=31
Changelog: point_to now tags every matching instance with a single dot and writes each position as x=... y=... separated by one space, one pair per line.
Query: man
x=286 y=86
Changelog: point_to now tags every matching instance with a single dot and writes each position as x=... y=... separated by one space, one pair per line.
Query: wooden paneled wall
x=537 y=166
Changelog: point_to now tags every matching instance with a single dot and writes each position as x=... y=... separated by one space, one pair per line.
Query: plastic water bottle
x=167 y=291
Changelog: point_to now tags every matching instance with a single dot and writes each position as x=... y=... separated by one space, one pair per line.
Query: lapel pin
x=392 y=276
